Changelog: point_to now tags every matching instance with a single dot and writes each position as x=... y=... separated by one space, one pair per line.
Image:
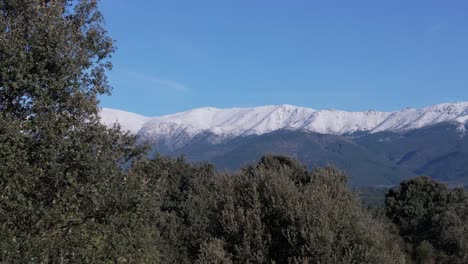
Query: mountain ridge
x=375 y=148
x=233 y=122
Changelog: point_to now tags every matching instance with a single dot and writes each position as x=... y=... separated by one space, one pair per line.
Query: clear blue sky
x=350 y=55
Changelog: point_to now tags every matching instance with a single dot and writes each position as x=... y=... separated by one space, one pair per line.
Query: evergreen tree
x=184 y=215
x=65 y=197
x=431 y=218
x=53 y=58
x=265 y=215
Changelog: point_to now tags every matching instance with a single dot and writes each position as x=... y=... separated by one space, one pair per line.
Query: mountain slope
x=375 y=148
x=439 y=150
x=311 y=148
x=226 y=124
x=383 y=158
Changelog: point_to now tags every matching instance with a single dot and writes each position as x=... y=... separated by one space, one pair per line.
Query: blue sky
x=351 y=55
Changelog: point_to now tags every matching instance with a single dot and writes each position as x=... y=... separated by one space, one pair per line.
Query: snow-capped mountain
x=393 y=145
x=128 y=121
x=178 y=129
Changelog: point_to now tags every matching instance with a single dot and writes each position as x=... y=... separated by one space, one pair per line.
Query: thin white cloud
x=158 y=82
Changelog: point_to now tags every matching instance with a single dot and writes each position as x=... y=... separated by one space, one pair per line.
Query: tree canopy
x=65 y=197
x=432 y=219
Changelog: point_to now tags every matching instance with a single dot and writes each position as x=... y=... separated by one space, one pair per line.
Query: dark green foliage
x=432 y=218
x=53 y=57
x=65 y=197
x=299 y=173
x=274 y=211
x=183 y=217
x=265 y=215
x=414 y=206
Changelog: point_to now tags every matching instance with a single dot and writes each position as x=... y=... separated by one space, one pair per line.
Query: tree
x=184 y=215
x=65 y=197
x=53 y=58
x=432 y=218
x=265 y=215
x=414 y=207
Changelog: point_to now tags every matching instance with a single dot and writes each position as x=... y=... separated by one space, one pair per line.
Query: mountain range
x=375 y=148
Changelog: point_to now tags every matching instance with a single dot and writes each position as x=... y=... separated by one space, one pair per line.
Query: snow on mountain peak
x=230 y=123
x=128 y=121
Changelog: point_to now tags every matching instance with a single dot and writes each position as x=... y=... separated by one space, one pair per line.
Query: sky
x=355 y=55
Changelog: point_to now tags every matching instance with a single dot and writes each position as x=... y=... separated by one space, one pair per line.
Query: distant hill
x=375 y=148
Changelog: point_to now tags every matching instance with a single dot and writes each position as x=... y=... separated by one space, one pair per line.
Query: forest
x=76 y=191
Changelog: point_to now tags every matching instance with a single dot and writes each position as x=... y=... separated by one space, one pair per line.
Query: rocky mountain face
x=375 y=148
